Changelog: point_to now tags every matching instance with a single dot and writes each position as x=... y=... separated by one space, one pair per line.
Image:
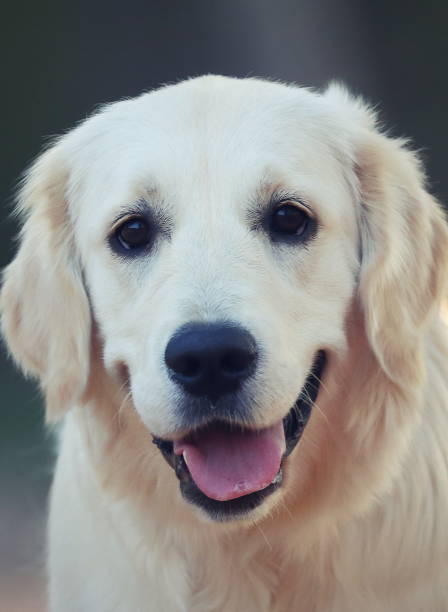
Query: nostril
x=187 y=365
x=236 y=363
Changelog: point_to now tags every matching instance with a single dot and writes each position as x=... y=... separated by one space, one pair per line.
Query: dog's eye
x=133 y=234
x=288 y=219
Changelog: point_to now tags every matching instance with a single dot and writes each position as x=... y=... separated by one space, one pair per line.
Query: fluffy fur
x=360 y=522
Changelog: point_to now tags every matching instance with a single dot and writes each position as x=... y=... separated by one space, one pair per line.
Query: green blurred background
x=61 y=59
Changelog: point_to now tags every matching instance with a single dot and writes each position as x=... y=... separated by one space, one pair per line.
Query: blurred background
x=61 y=59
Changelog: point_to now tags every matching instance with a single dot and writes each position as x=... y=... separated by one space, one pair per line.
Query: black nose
x=210 y=360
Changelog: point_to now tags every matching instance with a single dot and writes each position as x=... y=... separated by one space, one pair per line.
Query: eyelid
x=298 y=204
x=123 y=218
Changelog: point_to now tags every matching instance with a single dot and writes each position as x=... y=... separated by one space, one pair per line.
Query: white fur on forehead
x=212 y=96
x=219 y=106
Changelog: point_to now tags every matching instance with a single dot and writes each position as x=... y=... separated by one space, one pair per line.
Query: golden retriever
x=251 y=276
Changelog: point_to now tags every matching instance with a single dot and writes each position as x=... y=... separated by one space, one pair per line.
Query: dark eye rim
x=309 y=231
x=118 y=245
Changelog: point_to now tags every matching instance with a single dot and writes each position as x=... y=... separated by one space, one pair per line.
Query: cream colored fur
x=360 y=522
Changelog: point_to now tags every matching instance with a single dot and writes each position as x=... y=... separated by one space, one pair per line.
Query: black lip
x=294 y=423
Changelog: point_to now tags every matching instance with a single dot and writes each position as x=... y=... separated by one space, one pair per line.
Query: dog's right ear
x=45 y=313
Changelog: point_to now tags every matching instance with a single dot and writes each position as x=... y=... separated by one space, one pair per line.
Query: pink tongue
x=228 y=463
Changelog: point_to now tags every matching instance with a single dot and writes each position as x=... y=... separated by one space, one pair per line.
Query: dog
x=232 y=292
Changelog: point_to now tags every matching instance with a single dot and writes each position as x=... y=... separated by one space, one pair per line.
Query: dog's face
x=220 y=259
x=217 y=227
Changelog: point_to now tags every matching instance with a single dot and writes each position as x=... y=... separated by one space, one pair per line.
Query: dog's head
x=241 y=262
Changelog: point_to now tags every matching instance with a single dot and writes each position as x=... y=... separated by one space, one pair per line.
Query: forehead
x=211 y=137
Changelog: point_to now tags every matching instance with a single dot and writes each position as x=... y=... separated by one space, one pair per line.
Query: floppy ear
x=45 y=313
x=404 y=254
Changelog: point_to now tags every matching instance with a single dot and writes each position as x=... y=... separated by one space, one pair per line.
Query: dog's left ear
x=404 y=242
x=45 y=313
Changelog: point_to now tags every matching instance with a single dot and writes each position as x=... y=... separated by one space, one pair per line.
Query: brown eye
x=290 y=220
x=133 y=234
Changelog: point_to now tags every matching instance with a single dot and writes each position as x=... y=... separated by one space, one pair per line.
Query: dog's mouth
x=228 y=469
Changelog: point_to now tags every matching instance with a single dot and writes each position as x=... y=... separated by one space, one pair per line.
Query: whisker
x=264 y=536
x=319 y=380
x=315 y=405
x=286 y=508
x=322 y=413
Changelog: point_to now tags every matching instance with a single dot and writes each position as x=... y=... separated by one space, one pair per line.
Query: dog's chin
x=246 y=502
